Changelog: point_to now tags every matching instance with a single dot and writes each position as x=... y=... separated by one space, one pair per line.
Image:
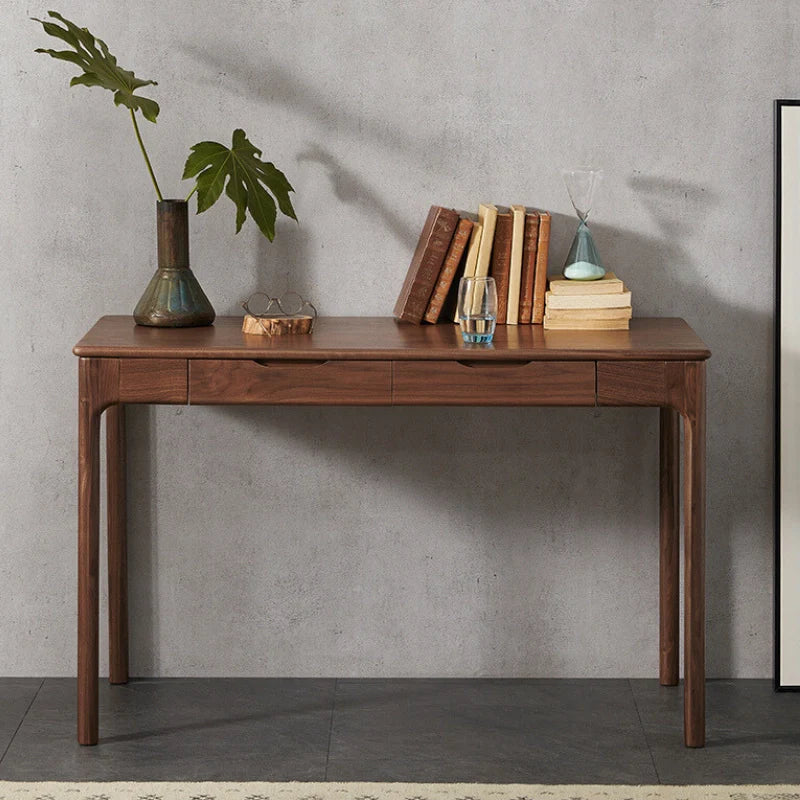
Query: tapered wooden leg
x=669 y=562
x=88 y=566
x=117 y=545
x=694 y=553
x=97 y=379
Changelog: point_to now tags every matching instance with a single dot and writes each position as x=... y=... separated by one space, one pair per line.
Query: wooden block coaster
x=276 y=325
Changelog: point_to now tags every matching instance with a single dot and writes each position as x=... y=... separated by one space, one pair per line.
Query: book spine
x=586 y=325
x=470 y=263
x=501 y=263
x=449 y=268
x=608 y=284
x=587 y=313
x=426 y=265
x=487 y=216
x=581 y=301
x=540 y=279
x=515 y=261
x=529 y=247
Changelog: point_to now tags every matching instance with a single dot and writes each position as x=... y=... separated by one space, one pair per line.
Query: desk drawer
x=275 y=382
x=492 y=383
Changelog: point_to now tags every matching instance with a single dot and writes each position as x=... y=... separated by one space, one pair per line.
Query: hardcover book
x=515 y=263
x=501 y=262
x=585 y=324
x=608 y=284
x=452 y=261
x=470 y=263
x=588 y=313
x=487 y=217
x=529 y=246
x=540 y=279
x=615 y=300
x=426 y=264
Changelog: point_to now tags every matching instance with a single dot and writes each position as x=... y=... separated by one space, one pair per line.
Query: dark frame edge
x=779 y=105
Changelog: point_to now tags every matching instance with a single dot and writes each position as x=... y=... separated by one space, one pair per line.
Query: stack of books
x=604 y=304
x=511 y=245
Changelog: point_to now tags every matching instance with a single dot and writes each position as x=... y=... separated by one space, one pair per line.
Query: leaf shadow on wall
x=275 y=85
x=352 y=190
x=287 y=90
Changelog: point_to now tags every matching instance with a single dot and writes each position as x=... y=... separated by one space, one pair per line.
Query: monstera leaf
x=98 y=65
x=248 y=179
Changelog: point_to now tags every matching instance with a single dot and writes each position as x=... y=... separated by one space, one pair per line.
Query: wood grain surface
x=98 y=382
x=296 y=383
x=153 y=380
x=117 y=545
x=492 y=383
x=669 y=546
x=692 y=391
x=364 y=338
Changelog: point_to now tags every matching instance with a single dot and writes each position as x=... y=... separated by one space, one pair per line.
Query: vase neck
x=172 y=226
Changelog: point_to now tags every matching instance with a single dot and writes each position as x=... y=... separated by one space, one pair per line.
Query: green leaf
x=248 y=179
x=99 y=66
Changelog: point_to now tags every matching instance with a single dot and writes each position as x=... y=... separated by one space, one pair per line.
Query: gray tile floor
x=527 y=731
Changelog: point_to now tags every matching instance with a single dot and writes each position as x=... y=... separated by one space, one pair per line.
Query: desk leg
x=694 y=552
x=669 y=562
x=117 y=545
x=98 y=380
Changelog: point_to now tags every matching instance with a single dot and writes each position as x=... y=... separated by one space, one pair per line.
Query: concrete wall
x=381 y=542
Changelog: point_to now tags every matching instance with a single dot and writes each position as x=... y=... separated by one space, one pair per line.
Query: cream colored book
x=515 y=269
x=472 y=258
x=472 y=250
x=608 y=284
x=618 y=300
x=589 y=313
x=585 y=324
x=487 y=217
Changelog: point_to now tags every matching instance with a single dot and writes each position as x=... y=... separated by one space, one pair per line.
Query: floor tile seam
x=22 y=719
x=330 y=726
x=644 y=732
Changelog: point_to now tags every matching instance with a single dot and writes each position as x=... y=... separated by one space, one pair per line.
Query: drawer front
x=633 y=383
x=153 y=380
x=459 y=383
x=293 y=383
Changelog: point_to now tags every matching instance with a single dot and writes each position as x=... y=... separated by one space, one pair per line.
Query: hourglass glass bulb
x=581 y=183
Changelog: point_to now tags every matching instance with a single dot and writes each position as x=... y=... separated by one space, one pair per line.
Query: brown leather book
x=501 y=262
x=426 y=265
x=452 y=261
x=540 y=279
x=529 y=247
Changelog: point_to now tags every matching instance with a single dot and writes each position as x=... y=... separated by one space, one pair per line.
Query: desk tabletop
x=381 y=338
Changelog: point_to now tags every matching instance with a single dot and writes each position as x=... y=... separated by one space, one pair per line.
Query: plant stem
x=189 y=196
x=144 y=153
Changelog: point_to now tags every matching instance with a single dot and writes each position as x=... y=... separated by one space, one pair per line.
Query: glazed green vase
x=173 y=298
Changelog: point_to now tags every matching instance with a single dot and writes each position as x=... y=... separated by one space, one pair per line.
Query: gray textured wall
x=377 y=541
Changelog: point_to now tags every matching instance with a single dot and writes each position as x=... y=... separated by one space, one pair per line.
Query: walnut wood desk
x=375 y=361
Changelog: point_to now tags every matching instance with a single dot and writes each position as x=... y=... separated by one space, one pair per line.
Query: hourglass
x=583 y=261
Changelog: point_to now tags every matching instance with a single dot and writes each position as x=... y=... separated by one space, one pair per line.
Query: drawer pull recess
x=286 y=362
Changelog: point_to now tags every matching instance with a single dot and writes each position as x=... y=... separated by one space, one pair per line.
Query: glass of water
x=477 y=309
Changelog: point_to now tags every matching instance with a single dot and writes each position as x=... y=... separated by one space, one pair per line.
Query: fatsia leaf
x=99 y=67
x=248 y=179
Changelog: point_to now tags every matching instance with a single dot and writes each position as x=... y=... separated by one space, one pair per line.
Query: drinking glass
x=477 y=309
